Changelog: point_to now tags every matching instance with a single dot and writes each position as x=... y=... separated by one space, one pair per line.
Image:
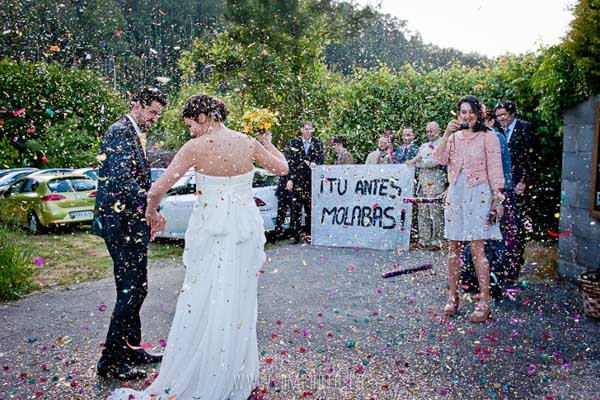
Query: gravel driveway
x=330 y=327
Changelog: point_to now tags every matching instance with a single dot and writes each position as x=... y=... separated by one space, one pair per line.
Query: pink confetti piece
x=39 y=261
x=531 y=369
x=18 y=112
x=141 y=346
x=162 y=342
x=102 y=307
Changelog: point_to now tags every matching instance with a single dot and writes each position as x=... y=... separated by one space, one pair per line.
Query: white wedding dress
x=211 y=351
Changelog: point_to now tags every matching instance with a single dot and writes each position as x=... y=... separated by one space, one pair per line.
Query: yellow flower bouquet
x=258 y=121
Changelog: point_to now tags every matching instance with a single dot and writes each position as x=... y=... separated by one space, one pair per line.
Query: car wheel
x=34 y=226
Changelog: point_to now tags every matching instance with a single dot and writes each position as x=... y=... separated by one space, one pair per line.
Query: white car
x=178 y=203
x=91 y=173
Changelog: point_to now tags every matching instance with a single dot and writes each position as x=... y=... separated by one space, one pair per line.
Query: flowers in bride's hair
x=258 y=121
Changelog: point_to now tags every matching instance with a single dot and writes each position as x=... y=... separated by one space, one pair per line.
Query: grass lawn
x=74 y=255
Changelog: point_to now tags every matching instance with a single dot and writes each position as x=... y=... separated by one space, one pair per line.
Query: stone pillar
x=580 y=251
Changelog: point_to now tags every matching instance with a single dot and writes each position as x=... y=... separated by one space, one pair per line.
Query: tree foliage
x=48 y=110
x=130 y=41
x=133 y=42
x=583 y=40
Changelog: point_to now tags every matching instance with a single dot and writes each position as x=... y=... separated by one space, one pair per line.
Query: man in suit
x=123 y=181
x=303 y=154
x=524 y=151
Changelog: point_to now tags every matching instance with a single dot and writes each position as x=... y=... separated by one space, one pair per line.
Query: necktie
x=306 y=144
x=143 y=142
x=507 y=134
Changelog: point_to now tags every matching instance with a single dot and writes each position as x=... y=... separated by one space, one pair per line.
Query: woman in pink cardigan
x=474 y=201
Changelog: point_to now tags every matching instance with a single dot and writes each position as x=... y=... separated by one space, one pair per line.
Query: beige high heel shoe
x=451 y=307
x=482 y=313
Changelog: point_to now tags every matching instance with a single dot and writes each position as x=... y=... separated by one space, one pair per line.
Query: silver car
x=178 y=203
x=11 y=175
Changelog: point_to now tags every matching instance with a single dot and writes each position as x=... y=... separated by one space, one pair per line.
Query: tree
x=49 y=110
x=271 y=56
x=583 y=40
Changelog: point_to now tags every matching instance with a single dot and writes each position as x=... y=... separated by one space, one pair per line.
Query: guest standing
x=474 y=200
x=303 y=153
x=383 y=154
x=431 y=183
x=343 y=156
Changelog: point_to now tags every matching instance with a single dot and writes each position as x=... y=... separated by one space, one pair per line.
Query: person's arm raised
x=268 y=156
x=441 y=154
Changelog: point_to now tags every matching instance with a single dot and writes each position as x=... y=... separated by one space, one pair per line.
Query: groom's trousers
x=130 y=271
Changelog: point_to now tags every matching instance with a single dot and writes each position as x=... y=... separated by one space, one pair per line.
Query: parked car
x=5 y=171
x=54 y=171
x=155 y=173
x=41 y=201
x=178 y=203
x=91 y=173
x=11 y=175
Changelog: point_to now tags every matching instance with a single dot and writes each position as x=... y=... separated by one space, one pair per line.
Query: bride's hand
x=264 y=138
x=155 y=220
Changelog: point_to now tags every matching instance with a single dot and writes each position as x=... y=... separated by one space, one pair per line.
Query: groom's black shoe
x=141 y=357
x=120 y=371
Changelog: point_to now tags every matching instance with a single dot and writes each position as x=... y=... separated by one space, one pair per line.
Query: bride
x=212 y=350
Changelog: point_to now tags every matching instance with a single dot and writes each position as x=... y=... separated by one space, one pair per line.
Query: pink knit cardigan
x=479 y=156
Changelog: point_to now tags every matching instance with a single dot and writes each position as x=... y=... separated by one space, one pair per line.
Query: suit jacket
x=300 y=172
x=524 y=152
x=123 y=180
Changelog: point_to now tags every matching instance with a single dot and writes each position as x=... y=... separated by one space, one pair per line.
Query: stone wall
x=579 y=251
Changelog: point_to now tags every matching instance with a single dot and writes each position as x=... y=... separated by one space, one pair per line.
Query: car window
x=60 y=185
x=185 y=185
x=12 y=177
x=155 y=174
x=30 y=186
x=262 y=179
x=81 y=184
x=92 y=173
x=16 y=188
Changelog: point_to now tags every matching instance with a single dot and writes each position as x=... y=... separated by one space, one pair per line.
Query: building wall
x=580 y=251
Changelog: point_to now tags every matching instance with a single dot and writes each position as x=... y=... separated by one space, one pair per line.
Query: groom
x=123 y=181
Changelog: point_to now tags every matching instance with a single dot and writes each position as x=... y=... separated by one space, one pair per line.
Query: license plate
x=80 y=214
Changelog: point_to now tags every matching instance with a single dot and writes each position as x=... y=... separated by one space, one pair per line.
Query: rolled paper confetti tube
x=423 y=200
x=422 y=267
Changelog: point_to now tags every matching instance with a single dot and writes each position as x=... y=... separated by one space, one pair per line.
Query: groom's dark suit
x=119 y=218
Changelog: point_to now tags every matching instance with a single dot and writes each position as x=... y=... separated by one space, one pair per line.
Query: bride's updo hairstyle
x=204 y=104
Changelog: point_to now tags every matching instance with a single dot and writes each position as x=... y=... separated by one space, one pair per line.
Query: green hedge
x=46 y=109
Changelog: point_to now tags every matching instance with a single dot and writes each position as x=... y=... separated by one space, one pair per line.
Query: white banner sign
x=362 y=206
